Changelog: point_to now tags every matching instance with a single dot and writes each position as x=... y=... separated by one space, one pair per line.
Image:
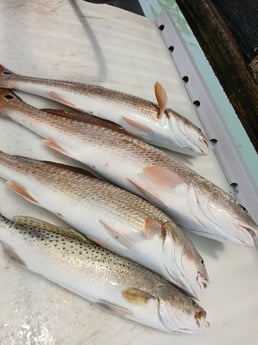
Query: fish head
x=192 y=275
x=224 y=217
x=185 y=135
x=194 y=270
x=181 y=314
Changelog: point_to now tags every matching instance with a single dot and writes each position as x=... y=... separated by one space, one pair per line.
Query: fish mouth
x=250 y=231
x=204 y=146
x=203 y=282
x=180 y=321
x=200 y=317
x=200 y=148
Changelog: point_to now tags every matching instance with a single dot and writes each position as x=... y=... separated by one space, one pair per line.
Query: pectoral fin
x=136 y=124
x=152 y=227
x=162 y=178
x=136 y=296
x=118 y=236
x=19 y=189
x=161 y=97
x=145 y=191
x=42 y=225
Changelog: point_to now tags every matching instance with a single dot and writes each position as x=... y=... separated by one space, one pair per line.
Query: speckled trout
x=107 y=279
x=110 y=216
x=191 y=200
x=153 y=123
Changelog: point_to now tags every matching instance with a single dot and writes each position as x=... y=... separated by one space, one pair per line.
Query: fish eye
x=202 y=261
x=243 y=208
x=8 y=97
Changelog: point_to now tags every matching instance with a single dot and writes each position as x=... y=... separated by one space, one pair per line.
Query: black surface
x=130 y=5
x=241 y=16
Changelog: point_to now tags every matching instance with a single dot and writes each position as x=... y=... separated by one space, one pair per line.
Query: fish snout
x=204 y=147
x=186 y=317
x=202 y=281
x=249 y=233
x=200 y=317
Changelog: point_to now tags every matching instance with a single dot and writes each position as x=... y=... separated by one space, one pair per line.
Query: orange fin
x=19 y=189
x=145 y=191
x=60 y=99
x=116 y=309
x=10 y=251
x=161 y=97
x=151 y=227
x=136 y=296
x=162 y=177
x=55 y=146
x=136 y=124
x=118 y=236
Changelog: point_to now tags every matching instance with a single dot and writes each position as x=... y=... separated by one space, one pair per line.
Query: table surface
x=114 y=48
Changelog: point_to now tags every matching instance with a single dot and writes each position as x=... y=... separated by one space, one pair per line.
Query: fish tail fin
x=6 y=77
x=7 y=100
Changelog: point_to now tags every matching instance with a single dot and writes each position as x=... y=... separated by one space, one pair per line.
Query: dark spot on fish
x=243 y=208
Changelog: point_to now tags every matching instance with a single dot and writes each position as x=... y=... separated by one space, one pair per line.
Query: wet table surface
x=113 y=48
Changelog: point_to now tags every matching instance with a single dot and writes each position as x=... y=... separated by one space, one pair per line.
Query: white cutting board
x=114 y=48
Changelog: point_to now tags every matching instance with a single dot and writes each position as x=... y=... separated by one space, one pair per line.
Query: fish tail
x=6 y=78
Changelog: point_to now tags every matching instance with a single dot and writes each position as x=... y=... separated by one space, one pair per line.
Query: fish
x=102 y=277
x=111 y=217
x=153 y=123
x=106 y=149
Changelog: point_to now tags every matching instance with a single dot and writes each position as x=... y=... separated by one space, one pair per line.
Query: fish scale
x=190 y=199
x=154 y=123
x=92 y=272
x=110 y=216
x=125 y=205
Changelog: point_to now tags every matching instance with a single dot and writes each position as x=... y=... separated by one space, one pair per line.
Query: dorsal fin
x=45 y=226
x=161 y=97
